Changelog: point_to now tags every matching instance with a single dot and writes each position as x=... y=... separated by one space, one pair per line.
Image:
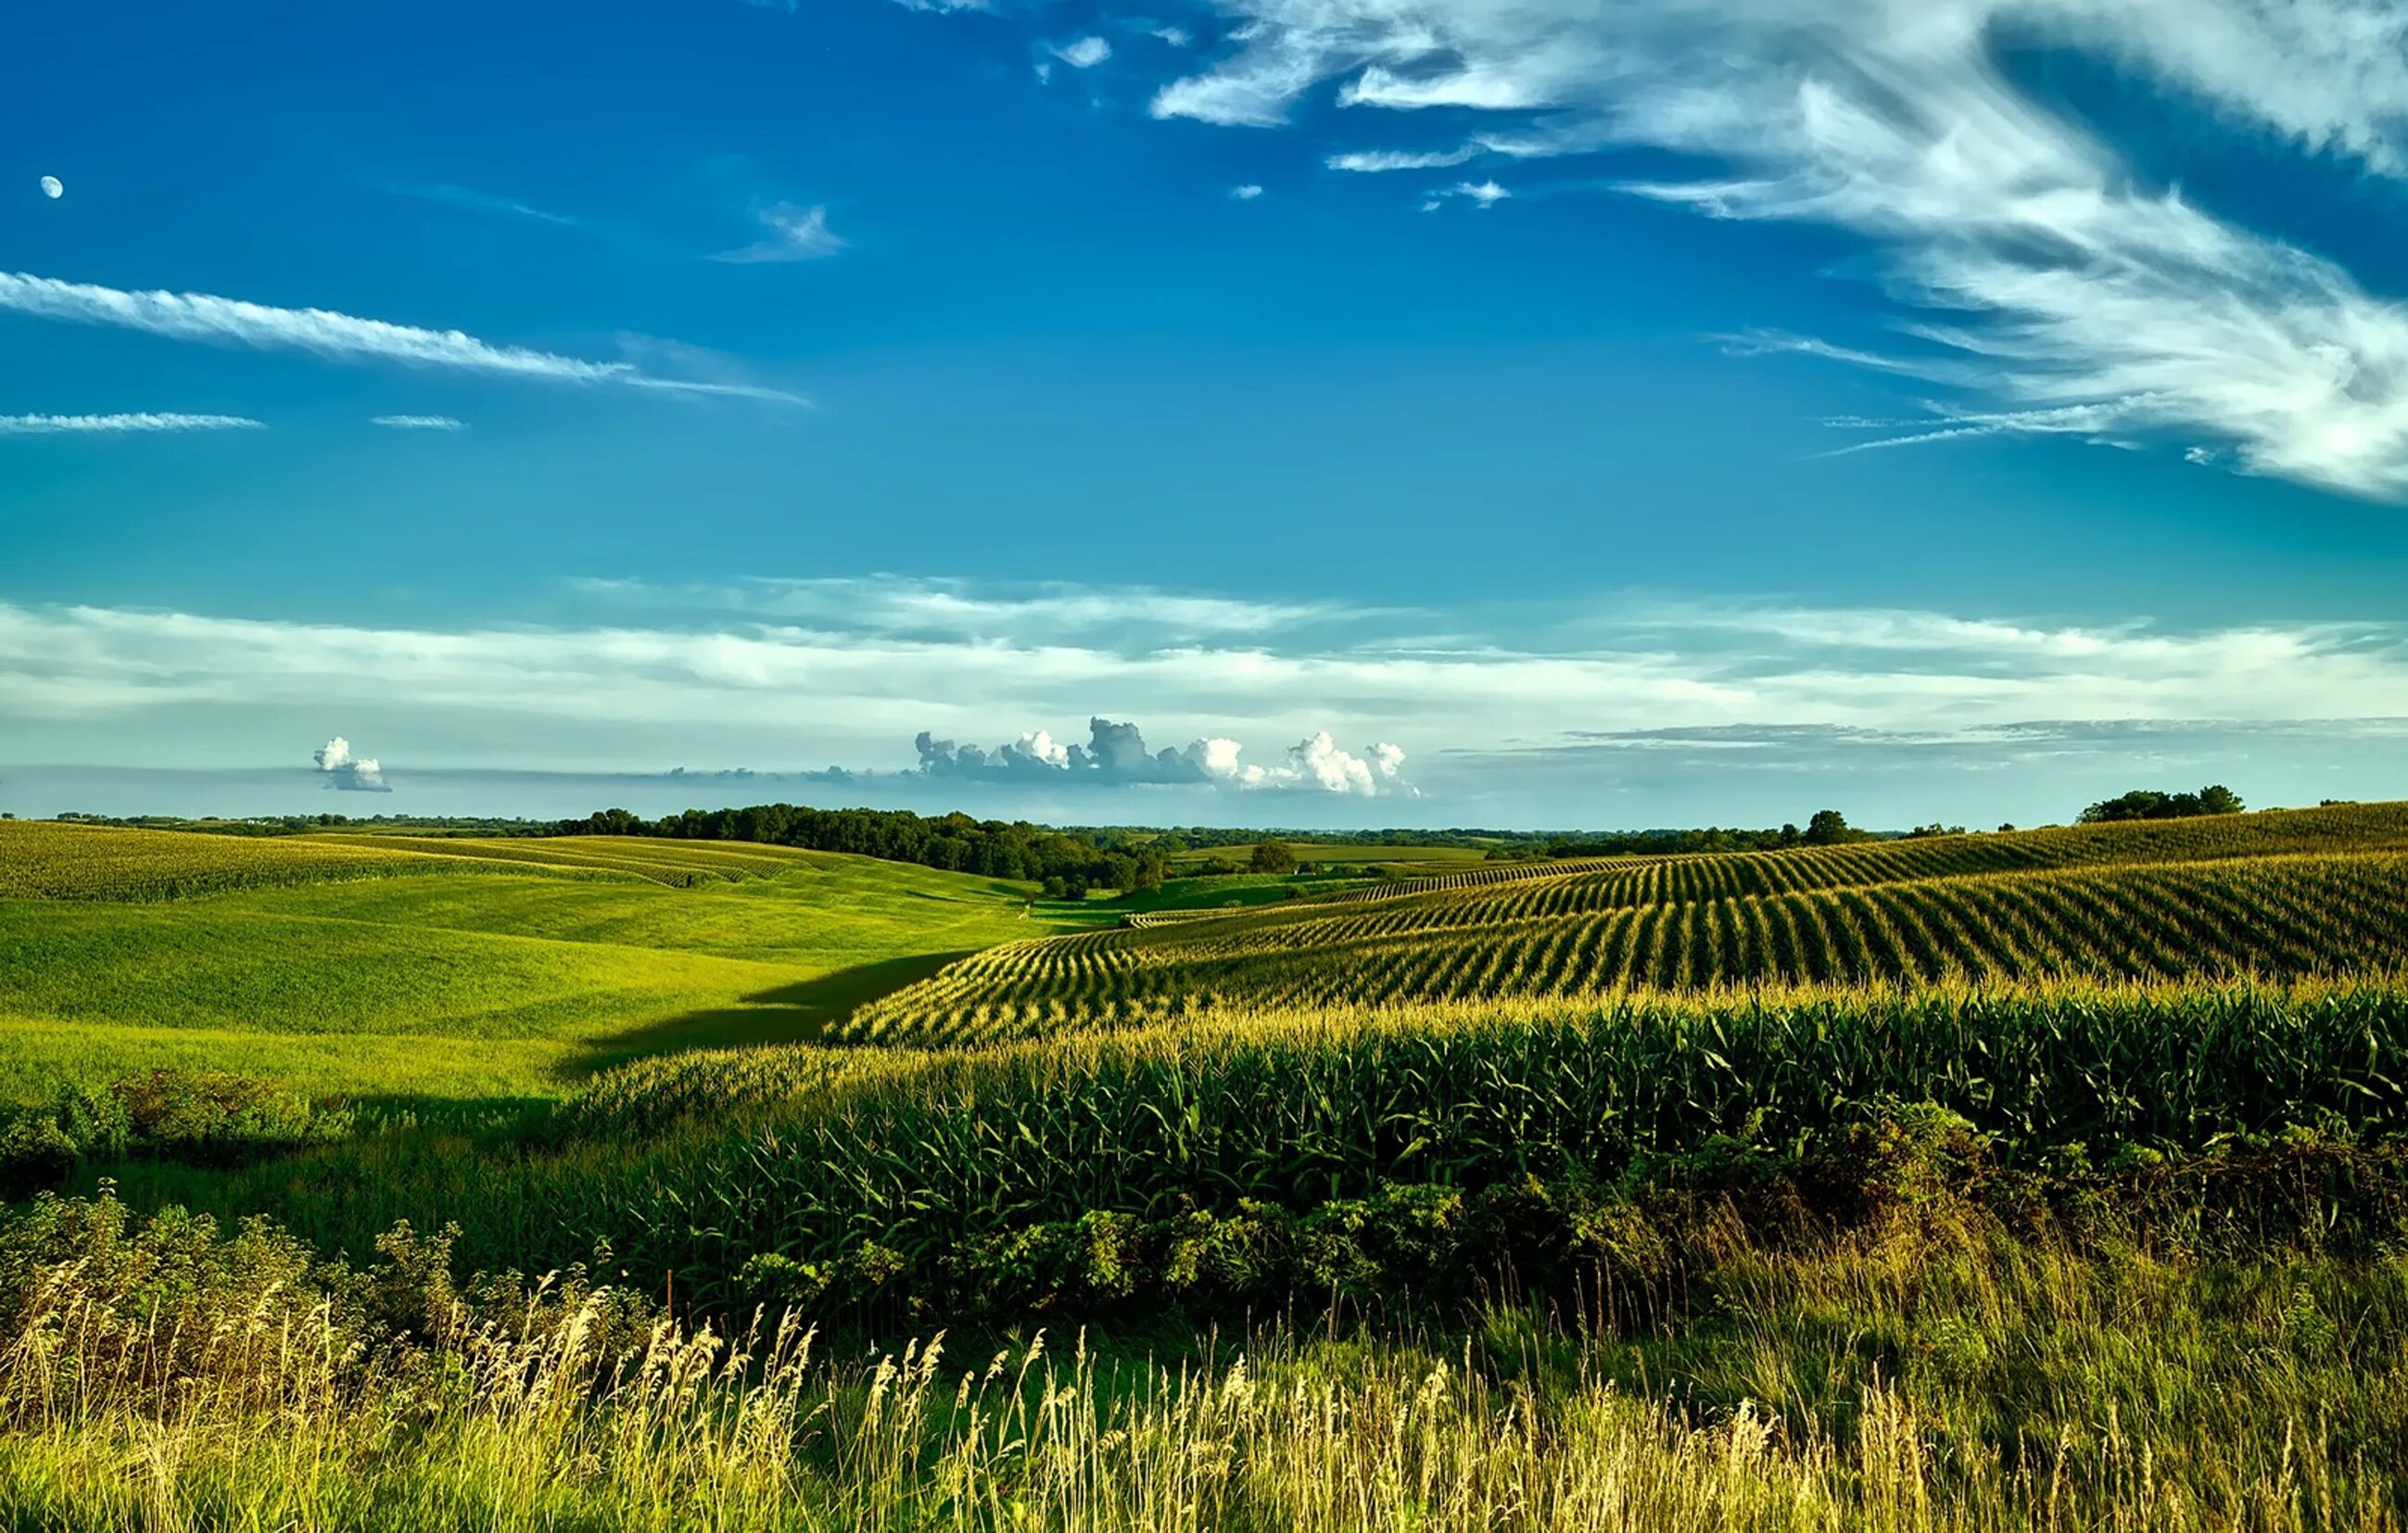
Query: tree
x=1829 y=828
x=1152 y=867
x=1273 y=857
x=2150 y=804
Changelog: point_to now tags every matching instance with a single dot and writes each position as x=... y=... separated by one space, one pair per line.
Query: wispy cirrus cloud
x=417 y=423
x=2026 y=249
x=77 y=425
x=795 y=233
x=1378 y=161
x=468 y=197
x=1120 y=617
x=231 y=322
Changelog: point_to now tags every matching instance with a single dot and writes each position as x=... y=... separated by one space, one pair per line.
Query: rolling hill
x=450 y=968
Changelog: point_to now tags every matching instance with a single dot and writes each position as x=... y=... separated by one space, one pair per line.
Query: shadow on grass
x=795 y=1013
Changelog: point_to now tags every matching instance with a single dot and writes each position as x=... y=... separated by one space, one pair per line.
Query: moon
x=53 y=188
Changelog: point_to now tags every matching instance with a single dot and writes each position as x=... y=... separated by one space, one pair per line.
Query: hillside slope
x=446 y=967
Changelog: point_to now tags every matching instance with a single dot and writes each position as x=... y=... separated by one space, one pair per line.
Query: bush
x=201 y=1117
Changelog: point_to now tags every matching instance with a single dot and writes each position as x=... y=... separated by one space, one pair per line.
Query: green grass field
x=381 y=966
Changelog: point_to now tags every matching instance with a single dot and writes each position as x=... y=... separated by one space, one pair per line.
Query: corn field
x=1837 y=916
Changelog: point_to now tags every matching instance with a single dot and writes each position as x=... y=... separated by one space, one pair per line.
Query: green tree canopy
x=2151 y=804
x=1272 y=857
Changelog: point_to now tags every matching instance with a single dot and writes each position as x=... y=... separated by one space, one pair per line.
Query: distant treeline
x=2150 y=804
x=1000 y=849
x=297 y=824
x=1827 y=827
x=1206 y=838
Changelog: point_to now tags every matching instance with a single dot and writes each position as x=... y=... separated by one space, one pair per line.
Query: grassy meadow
x=2046 y=1181
x=391 y=966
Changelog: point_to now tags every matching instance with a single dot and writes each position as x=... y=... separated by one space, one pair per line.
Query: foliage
x=202 y=1117
x=955 y=842
x=2150 y=804
x=923 y=1155
x=1271 y=857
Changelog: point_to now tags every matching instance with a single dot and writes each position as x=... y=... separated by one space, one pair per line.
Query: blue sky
x=540 y=398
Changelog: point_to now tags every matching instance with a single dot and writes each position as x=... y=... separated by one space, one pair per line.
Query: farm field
x=2309 y=892
x=2048 y=1181
x=371 y=965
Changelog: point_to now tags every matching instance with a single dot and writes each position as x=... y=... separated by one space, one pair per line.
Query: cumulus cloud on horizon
x=1116 y=755
x=350 y=773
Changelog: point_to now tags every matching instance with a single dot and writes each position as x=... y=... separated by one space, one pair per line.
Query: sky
x=1554 y=414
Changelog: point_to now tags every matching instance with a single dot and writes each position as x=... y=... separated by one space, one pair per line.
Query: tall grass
x=1934 y=1375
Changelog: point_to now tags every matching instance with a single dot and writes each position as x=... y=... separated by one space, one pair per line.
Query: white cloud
x=350 y=773
x=230 y=322
x=1247 y=192
x=419 y=423
x=1085 y=54
x=1372 y=162
x=987 y=610
x=2065 y=280
x=795 y=234
x=1115 y=756
x=1486 y=193
x=60 y=425
x=1314 y=762
x=1177 y=36
x=761 y=691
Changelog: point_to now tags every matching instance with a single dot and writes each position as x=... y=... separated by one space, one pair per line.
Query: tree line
x=1068 y=865
x=2150 y=804
x=1824 y=827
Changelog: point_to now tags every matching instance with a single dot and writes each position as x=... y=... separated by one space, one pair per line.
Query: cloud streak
x=417 y=423
x=80 y=425
x=229 y=322
x=2030 y=259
